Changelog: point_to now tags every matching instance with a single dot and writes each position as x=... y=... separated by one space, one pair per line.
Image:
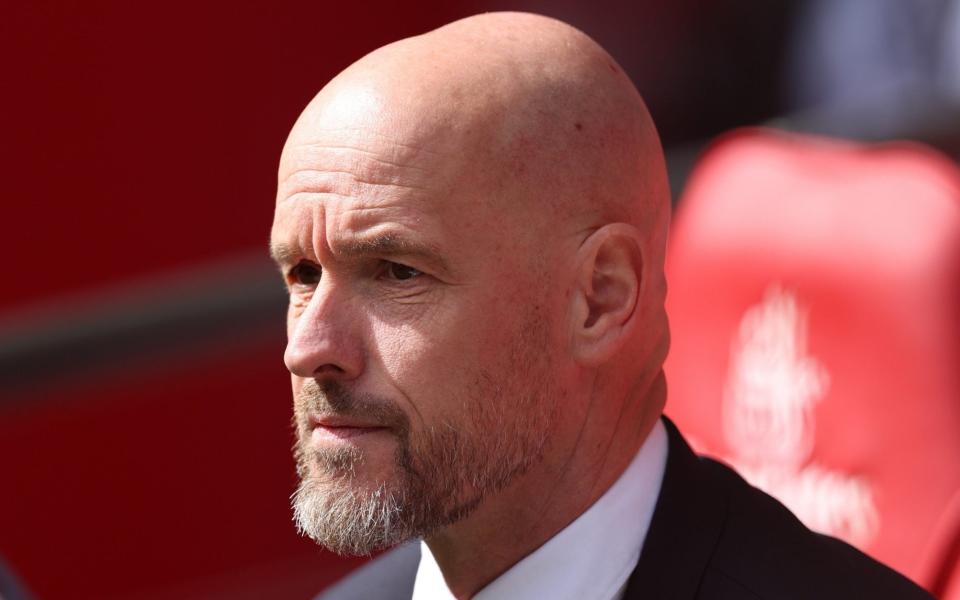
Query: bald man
x=471 y=224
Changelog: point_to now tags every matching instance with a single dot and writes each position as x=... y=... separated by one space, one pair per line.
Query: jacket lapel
x=685 y=529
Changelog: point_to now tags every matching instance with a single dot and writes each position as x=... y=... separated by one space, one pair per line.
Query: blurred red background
x=144 y=407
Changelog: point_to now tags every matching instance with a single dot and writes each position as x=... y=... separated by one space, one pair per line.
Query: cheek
x=421 y=360
x=453 y=347
x=401 y=349
x=435 y=363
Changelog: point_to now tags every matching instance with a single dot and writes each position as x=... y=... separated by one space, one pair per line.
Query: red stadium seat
x=952 y=589
x=815 y=309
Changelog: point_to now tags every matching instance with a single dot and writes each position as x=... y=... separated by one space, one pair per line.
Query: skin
x=509 y=161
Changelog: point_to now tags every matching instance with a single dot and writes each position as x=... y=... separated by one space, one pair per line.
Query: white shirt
x=592 y=557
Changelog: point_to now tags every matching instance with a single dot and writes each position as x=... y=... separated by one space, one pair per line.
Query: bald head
x=521 y=99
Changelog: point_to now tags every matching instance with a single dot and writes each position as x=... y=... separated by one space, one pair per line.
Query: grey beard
x=335 y=511
x=349 y=521
x=449 y=477
x=339 y=512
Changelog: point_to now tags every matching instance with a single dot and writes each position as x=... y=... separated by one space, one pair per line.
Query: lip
x=334 y=427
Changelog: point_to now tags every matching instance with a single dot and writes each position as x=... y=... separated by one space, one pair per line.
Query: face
x=418 y=329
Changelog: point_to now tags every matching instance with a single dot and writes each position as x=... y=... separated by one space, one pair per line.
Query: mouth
x=330 y=429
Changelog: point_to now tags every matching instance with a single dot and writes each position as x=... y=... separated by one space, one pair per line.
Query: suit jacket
x=713 y=536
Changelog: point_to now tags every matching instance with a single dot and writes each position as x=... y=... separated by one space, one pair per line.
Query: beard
x=441 y=473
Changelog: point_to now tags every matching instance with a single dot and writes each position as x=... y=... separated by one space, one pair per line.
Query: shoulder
x=766 y=552
x=713 y=535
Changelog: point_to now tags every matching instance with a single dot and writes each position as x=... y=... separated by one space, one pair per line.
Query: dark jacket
x=714 y=536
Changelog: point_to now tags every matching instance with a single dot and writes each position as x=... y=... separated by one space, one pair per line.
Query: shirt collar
x=592 y=557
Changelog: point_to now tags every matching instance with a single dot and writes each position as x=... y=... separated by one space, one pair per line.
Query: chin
x=350 y=466
x=353 y=513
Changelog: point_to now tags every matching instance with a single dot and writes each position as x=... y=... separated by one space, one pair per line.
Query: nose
x=325 y=339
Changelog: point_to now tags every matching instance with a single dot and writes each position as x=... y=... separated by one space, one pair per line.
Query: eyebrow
x=282 y=254
x=383 y=245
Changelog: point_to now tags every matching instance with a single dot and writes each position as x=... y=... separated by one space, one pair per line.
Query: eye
x=399 y=272
x=305 y=273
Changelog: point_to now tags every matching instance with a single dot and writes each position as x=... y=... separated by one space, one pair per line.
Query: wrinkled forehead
x=360 y=160
x=428 y=134
x=427 y=120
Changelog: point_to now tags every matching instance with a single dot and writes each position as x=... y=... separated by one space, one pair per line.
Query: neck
x=514 y=522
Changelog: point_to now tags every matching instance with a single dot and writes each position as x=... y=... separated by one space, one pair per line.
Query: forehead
x=361 y=163
x=344 y=174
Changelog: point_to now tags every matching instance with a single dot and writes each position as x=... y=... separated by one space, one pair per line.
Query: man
x=471 y=224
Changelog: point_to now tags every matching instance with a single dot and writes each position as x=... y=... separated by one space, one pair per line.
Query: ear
x=608 y=279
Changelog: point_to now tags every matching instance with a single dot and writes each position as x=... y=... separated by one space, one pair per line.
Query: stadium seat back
x=815 y=307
